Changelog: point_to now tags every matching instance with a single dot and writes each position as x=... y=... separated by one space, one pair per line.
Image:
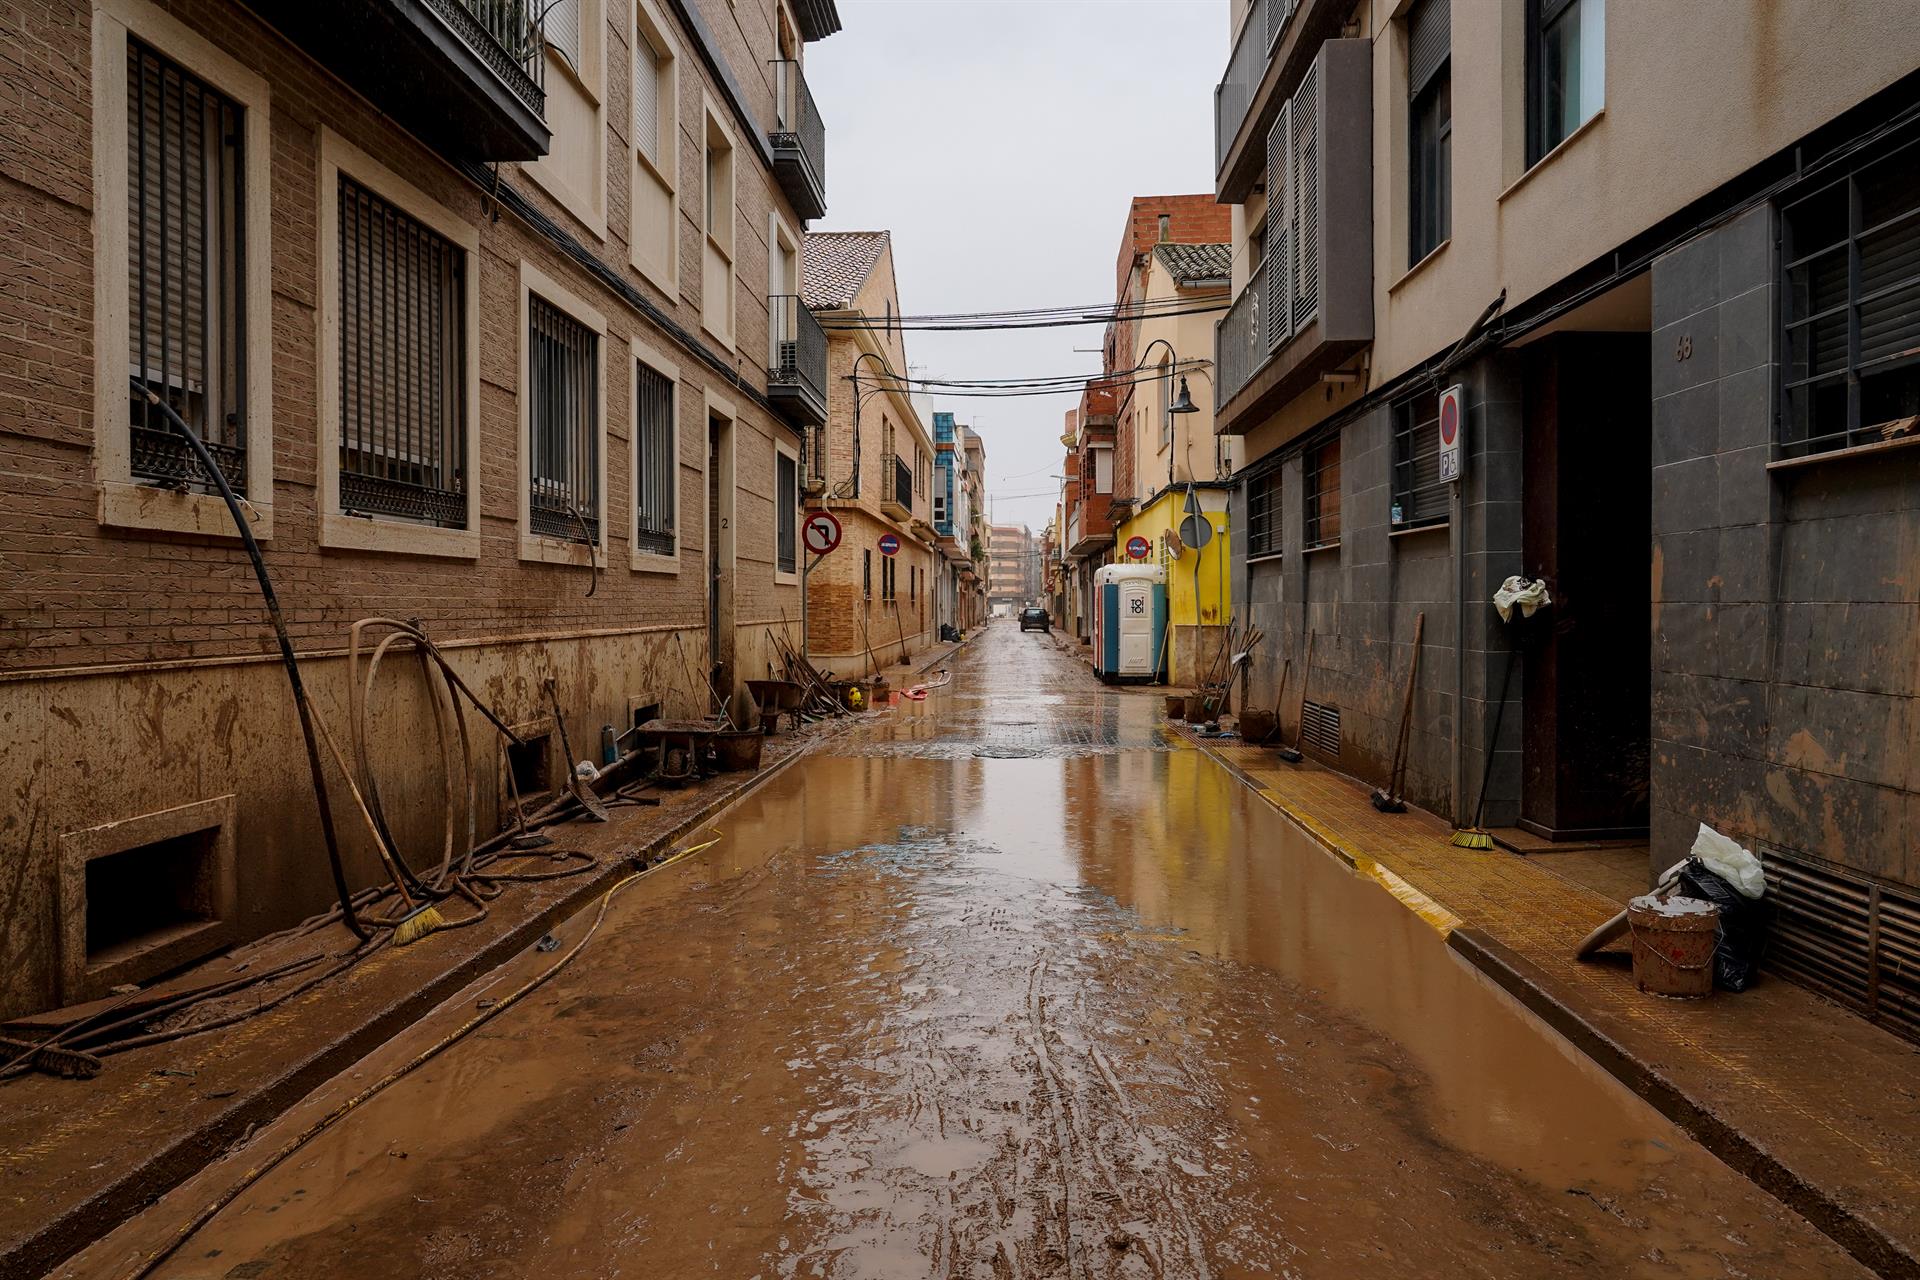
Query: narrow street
x=1004 y=984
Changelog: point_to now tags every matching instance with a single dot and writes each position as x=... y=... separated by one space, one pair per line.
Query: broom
x=1387 y=799
x=1291 y=754
x=1476 y=836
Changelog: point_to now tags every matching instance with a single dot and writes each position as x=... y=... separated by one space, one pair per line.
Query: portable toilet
x=1129 y=622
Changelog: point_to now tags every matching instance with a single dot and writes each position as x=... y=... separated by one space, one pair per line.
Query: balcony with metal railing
x=799 y=141
x=1308 y=307
x=464 y=76
x=796 y=361
x=896 y=487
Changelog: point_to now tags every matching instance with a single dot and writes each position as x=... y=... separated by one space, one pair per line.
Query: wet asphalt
x=1007 y=984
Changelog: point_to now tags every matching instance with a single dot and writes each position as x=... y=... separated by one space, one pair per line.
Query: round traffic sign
x=889 y=544
x=822 y=532
x=1449 y=419
x=1137 y=547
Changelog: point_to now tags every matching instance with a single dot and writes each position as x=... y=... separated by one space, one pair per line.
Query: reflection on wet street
x=1007 y=985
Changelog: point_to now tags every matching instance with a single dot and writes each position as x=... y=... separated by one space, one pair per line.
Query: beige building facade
x=493 y=328
x=871 y=602
x=1651 y=263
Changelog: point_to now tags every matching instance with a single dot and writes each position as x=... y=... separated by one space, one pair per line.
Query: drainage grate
x=1320 y=727
x=1848 y=936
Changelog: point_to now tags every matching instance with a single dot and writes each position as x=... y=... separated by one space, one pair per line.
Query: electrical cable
x=147 y=1266
x=1064 y=320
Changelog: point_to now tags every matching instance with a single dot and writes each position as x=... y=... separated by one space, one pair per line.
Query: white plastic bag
x=1517 y=590
x=1732 y=863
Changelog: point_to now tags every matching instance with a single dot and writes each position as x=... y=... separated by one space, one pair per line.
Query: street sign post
x=822 y=532
x=1453 y=432
x=889 y=544
x=1138 y=547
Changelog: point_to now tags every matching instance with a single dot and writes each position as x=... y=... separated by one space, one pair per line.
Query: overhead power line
x=1035 y=318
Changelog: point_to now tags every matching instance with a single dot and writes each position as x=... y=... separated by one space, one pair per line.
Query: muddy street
x=1004 y=984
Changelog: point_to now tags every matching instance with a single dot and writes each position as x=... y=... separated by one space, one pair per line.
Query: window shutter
x=1429 y=42
x=1306 y=199
x=646 y=100
x=565 y=31
x=1279 y=233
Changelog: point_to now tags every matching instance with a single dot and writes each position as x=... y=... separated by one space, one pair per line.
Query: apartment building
x=958 y=589
x=1621 y=296
x=871 y=600
x=493 y=322
x=1014 y=567
x=973 y=485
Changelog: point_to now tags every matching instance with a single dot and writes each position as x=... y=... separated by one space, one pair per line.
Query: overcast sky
x=1000 y=141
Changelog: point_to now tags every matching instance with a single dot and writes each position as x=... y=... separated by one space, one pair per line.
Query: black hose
x=286 y=654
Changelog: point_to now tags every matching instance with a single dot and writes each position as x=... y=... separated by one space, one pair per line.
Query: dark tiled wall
x=1361 y=600
x=1786 y=603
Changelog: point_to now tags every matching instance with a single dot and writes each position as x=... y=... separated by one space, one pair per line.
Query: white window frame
x=539 y=547
x=652 y=561
x=357 y=533
x=712 y=122
x=592 y=79
x=647 y=24
x=123 y=503
x=782 y=449
x=777 y=232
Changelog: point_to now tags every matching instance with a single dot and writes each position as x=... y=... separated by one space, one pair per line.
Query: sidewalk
x=1817 y=1106
x=77 y=1157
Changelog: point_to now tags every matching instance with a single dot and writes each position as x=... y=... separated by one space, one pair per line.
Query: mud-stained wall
x=1360 y=601
x=86 y=749
x=1786 y=602
x=134 y=667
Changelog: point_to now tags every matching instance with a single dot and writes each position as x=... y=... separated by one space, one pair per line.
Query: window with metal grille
x=1566 y=69
x=403 y=356
x=1419 y=494
x=1263 y=514
x=1323 y=495
x=1429 y=128
x=1851 y=309
x=786 y=501
x=185 y=254
x=656 y=486
x=563 y=421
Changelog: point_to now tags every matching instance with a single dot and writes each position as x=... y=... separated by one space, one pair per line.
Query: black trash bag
x=1740 y=939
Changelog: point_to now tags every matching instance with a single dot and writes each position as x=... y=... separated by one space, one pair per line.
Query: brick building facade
x=563 y=296
x=866 y=607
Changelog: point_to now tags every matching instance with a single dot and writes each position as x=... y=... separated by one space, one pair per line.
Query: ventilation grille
x=1320 y=727
x=1853 y=939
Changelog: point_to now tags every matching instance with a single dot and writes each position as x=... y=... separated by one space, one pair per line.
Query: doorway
x=1587 y=520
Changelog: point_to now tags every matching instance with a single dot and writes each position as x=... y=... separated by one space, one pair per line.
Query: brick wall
x=144 y=650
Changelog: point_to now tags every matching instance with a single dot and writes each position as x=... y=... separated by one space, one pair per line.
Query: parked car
x=1034 y=617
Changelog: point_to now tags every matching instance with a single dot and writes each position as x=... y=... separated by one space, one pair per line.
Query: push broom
x=1476 y=836
x=1389 y=799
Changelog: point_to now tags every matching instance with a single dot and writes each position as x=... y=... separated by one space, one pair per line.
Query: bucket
x=1196 y=708
x=1176 y=706
x=1673 y=944
x=1256 y=726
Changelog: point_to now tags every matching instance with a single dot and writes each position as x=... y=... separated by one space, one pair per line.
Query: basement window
x=530 y=766
x=150 y=894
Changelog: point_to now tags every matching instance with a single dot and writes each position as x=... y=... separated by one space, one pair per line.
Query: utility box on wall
x=1129 y=622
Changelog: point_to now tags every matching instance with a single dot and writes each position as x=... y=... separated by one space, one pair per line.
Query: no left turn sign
x=822 y=532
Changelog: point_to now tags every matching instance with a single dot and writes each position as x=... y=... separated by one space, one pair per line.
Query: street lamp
x=1182 y=403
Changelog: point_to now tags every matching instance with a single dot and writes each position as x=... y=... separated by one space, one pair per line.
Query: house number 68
x=1683 y=349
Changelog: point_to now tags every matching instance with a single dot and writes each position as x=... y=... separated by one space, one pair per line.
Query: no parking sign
x=1453 y=431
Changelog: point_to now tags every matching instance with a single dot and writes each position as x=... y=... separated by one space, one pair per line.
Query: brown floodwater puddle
x=1064 y=1004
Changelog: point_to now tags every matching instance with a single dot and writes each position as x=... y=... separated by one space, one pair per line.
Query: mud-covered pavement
x=1005 y=985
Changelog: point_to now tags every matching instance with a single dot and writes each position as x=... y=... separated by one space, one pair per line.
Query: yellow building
x=1199 y=594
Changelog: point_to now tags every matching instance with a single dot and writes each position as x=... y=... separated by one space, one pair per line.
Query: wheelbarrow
x=679 y=746
x=775 y=696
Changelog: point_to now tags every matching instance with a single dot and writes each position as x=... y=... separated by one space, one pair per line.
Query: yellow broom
x=1476 y=836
